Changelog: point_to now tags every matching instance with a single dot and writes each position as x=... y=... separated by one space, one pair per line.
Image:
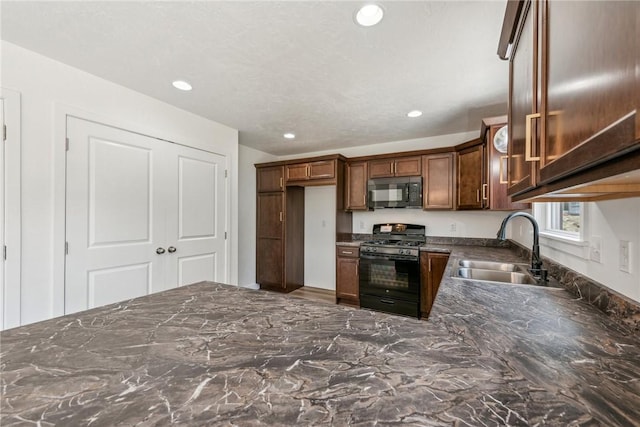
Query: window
x=563 y=220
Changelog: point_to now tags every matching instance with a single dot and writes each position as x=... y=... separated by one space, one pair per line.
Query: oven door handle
x=389 y=258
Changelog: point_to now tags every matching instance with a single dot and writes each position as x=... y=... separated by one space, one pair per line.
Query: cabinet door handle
x=280 y=216
x=478 y=195
x=485 y=188
x=527 y=137
x=307 y=172
x=171 y=249
x=502 y=159
x=281 y=182
x=393 y=168
x=429 y=264
x=347 y=252
x=160 y=251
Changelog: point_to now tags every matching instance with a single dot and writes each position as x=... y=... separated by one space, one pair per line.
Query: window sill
x=566 y=244
x=565 y=238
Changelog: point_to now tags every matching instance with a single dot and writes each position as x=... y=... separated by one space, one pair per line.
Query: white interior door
x=196 y=223
x=2 y=203
x=142 y=215
x=10 y=209
x=114 y=215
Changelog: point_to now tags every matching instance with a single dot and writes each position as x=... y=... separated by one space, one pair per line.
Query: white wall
x=48 y=87
x=320 y=237
x=247 y=213
x=396 y=146
x=484 y=224
x=611 y=221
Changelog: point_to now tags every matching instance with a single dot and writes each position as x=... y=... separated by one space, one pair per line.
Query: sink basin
x=512 y=277
x=490 y=265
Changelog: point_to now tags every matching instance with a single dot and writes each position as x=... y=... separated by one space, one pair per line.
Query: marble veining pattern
x=613 y=304
x=212 y=354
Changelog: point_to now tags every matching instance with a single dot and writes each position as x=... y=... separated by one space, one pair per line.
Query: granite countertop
x=212 y=354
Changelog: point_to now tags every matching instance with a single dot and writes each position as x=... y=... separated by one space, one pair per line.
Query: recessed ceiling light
x=369 y=15
x=414 y=113
x=182 y=85
x=289 y=135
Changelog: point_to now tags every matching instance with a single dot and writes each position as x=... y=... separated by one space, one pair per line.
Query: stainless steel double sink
x=489 y=271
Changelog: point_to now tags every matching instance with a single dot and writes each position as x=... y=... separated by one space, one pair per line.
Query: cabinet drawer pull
x=347 y=252
x=502 y=159
x=387 y=301
x=527 y=137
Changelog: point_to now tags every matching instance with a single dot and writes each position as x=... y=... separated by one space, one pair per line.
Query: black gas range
x=390 y=269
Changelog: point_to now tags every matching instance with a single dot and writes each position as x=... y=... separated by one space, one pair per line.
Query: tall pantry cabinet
x=279 y=231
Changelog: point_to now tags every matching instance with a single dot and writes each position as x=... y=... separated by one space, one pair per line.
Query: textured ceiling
x=267 y=68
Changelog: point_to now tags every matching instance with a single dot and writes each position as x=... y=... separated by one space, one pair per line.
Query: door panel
x=196 y=269
x=196 y=244
x=523 y=94
x=119 y=203
x=197 y=203
x=438 y=181
x=115 y=218
x=357 y=186
x=271 y=209
x=117 y=284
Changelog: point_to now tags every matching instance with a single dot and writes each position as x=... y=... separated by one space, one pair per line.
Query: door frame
x=10 y=296
x=61 y=113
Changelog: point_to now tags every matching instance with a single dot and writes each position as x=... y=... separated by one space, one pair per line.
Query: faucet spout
x=536 y=262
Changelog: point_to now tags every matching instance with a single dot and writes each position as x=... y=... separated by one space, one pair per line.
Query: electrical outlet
x=361 y=225
x=453 y=227
x=625 y=256
x=595 y=248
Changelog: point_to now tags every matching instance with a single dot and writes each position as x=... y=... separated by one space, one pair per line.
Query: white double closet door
x=142 y=215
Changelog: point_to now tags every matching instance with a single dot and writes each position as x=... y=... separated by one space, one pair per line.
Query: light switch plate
x=625 y=256
x=595 y=248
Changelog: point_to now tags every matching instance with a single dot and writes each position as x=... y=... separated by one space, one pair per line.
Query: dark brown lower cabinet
x=347 y=278
x=432 y=266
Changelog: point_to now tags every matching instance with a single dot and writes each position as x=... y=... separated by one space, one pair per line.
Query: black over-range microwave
x=400 y=192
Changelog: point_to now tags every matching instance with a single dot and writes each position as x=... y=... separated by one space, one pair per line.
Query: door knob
x=160 y=251
x=171 y=249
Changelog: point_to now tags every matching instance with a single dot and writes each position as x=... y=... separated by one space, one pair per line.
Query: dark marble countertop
x=349 y=243
x=211 y=354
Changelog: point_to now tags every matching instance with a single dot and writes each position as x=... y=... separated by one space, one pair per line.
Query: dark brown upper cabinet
x=472 y=187
x=270 y=179
x=322 y=171
x=574 y=98
x=401 y=166
x=356 y=183
x=495 y=190
x=438 y=181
